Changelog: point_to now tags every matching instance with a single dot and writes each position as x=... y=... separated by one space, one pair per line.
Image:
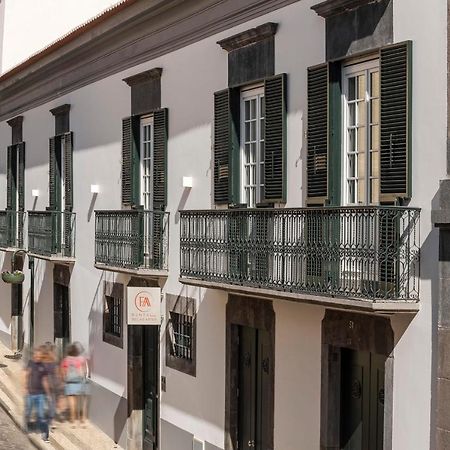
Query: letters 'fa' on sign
x=143 y=306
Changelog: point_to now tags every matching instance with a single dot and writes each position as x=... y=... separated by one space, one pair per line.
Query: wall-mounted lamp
x=35 y=192
x=95 y=188
x=187 y=182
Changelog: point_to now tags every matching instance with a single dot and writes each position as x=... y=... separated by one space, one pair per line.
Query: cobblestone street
x=11 y=438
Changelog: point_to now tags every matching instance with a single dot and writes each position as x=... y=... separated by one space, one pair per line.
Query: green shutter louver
x=222 y=142
x=10 y=188
x=130 y=161
x=275 y=139
x=317 y=140
x=160 y=135
x=21 y=176
x=395 y=122
x=52 y=165
x=68 y=170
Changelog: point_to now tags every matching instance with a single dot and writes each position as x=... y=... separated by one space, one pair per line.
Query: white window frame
x=362 y=68
x=256 y=92
x=144 y=121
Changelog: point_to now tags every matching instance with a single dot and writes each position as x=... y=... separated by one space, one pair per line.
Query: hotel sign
x=143 y=306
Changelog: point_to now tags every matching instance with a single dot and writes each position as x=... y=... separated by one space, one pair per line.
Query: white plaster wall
x=297 y=375
x=425 y=23
x=190 y=77
x=30 y=25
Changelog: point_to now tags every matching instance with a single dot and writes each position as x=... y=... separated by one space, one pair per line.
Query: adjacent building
x=274 y=167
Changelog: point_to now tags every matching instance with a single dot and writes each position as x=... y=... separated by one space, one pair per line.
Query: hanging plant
x=15 y=277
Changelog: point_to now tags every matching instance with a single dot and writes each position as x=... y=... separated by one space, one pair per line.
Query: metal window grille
x=181 y=329
x=113 y=315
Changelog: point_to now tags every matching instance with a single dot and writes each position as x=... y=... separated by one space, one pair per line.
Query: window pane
x=361 y=139
x=375 y=84
x=253 y=108
x=375 y=191
x=351 y=165
x=375 y=164
x=362 y=116
x=247 y=110
x=352 y=114
x=352 y=140
x=351 y=88
x=375 y=110
x=253 y=130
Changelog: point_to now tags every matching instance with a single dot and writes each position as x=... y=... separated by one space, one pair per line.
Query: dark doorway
x=61 y=316
x=253 y=366
x=150 y=376
x=362 y=400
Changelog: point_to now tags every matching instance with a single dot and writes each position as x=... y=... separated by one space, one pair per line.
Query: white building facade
x=272 y=167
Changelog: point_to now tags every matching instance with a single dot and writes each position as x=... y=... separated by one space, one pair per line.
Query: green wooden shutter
x=68 y=170
x=160 y=135
x=395 y=122
x=10 y=189
x=52 y=182
x=222 y=139
x=275 y=139
x=130 y=161
x=317 y=142
x=21 y=176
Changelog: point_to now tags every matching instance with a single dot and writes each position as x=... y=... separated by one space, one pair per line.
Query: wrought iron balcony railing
x=11 y=229
x=354 y=252
x=132 y=239
x=52 y=233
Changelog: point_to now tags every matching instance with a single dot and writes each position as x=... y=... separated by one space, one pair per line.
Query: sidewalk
x=63 y=437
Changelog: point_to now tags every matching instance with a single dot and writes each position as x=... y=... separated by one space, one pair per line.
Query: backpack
x=74 y=374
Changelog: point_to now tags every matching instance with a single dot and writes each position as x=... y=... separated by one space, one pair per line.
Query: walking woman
x=73 y=370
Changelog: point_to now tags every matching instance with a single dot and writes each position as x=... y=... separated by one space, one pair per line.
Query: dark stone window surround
x=114 y=290
x=255 y=313
x=185 y=306
x=16 y=129
x=62 y=119
x=356 y=26
x=360 y=332
x=251 y=54
x=145 y=91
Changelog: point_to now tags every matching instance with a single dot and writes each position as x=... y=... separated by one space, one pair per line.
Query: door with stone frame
x=253 y=369
x=362 y=400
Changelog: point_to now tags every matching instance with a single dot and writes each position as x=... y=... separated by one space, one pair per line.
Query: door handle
x=251 y=443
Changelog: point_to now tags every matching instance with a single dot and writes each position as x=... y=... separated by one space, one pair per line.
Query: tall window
x=252 y=146
x=362 y=133
x=146 y=140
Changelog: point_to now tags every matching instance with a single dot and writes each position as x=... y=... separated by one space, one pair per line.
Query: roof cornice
x=145 y=30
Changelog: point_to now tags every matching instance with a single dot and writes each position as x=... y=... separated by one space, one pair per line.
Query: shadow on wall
x=44 y=302
x=104 y=367
x=182 y=392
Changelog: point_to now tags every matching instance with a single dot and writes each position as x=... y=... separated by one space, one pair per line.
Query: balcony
x=51 y=235
x=11 y=230
x=362 y=258
x=132 y=241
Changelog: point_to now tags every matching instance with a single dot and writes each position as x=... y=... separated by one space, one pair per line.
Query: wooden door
x=61 y=317
x=362 y=400
x=150 y=372
x=253 y=401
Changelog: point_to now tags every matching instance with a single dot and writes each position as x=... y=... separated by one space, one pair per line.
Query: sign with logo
x=143 y=306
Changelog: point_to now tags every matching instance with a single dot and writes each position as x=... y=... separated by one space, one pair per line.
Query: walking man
x=36 y=391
